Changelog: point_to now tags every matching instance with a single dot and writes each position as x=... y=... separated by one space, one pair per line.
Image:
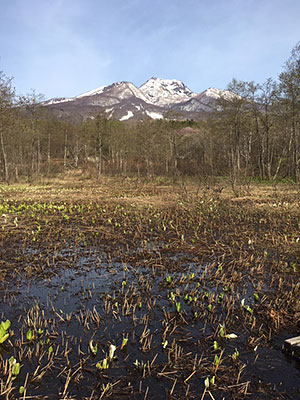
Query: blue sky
x=66 y=47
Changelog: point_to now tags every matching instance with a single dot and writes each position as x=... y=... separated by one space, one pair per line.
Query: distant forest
x=254 y=134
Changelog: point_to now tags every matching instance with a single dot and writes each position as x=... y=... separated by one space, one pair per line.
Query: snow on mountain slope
x=123 y=90
x=99 y=90
x=56 y=100
x=196 y=105
x=124 y=101
x=217 y=94
x=104 y=95
x=127 y=116
x=165 y=92
x=205 y=101
x=154 y=115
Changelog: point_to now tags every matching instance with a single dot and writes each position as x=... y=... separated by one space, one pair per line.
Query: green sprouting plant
x=139 y=364
x=215 y=345
x=21 y=390
x=189 y=298
x=164 y=344
x=11 y=361
x=102 y=364
x=4 y=335
x=40 y=332
x=206 y=383
x=29 y=335
x=177 y=307
x=191 y=276
x=222 y=331
x=216 y=360
x=169 y=279
x=93 y=348
x=248 y=309
x=255 y=297
x=124 y=343
x=293 y=265
x=209 y=307
x=172 y=296
x=235 y=354
x=15 y=367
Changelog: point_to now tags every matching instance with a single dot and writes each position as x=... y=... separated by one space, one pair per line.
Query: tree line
x=253 y=133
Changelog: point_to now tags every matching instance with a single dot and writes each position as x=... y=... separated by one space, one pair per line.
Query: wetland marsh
x=127 y=291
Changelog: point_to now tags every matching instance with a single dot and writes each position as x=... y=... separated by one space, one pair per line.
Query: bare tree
x=290 y=86
x=7 y=98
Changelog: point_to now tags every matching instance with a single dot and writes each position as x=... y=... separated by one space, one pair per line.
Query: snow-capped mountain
x=109 y=95
x=122 y=90
x=217 y=94
x=125 y=102
x=165 y=92
x=206 y=101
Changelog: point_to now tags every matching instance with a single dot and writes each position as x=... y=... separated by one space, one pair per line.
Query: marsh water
x=91 y=294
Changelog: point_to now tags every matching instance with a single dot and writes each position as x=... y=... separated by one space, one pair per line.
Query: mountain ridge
x=153 y=99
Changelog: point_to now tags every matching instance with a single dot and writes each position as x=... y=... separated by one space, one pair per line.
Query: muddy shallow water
x=115 y=301
x=170 y=352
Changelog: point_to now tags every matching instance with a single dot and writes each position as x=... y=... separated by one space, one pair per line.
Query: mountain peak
x=217 y=94
x=164 y=80
x=163 y=92
x=118 y=90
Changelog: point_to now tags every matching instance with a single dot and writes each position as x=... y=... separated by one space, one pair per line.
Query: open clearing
x=122 y=290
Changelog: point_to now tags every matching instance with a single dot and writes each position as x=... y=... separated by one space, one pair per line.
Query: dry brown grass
x=73 y=187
